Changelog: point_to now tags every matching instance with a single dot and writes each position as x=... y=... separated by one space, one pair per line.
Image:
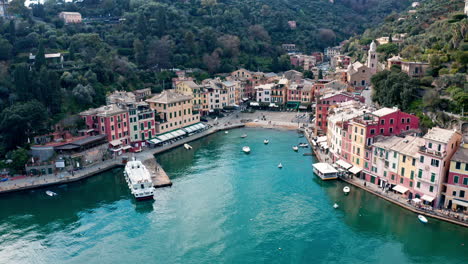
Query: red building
x=324 y=103
x=111 y=120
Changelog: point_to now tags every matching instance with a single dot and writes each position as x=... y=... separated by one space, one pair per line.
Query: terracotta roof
x=168 y=96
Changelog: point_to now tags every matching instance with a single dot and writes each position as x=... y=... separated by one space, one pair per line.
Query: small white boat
x=246 y=149
x=187 y=146
x=244 y=136
x=335 y=206
x=295 y=148
x=226 y=132
x=266 y=141
x=346 y=190
x=280 y=166
x=423 y=219
x=50 y=193
x=304 y=145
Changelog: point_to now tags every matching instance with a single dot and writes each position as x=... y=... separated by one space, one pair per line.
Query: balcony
x=424 y=150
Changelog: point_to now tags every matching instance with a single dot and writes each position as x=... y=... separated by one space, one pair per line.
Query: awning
x=116 y=142
x=400 y=189
x=417 y=200
x=303 y=107
x=272 y=105
x=459 y=202
x=427 y=198
x=355 y=170
x=344 y=164
x=155 y=141
x=126 y=147
x=321 y=139
x=254 y=104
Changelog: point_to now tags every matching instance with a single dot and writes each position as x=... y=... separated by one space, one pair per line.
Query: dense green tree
x=6 y=49
x=393 y=88
x=19 y=158
x=40 y=59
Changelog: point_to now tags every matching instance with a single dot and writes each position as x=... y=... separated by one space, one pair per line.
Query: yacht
x=266 y=141
x=422 y=219
x=295 y=148
x=244 y=136
x=246 y=149
x=51 y=193
x=346 y=189
x=280 y=166
x=139 y=180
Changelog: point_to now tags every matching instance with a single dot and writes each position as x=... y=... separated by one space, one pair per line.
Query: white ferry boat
x=139 y=180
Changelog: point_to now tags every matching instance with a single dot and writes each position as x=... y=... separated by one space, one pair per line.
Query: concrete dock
x=158 y=175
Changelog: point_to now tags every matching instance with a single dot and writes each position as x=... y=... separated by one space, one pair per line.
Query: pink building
x=327 y=100
x=434 y=162
x=111 y=120
x=456 y=188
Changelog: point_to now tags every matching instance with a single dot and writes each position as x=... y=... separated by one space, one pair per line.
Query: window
x=372 y=131
x=390 y=130
x=382 y=122
x=394 y=155
x=439 y=147
x=135 y=127
x=402 y=120
x=421 y=159
x=382 y=131
x=393 y=165
x=429 y=145
x=465 y=181
x=457 y=165
x=420 y=173
x=413 y=162
x=433 y=177
x=391 y=121
x=466 y=166
x=411 y=184
x=431 y=188
x=407 y=120
x=403 y=172
x=407 y=127
x=455 y=179
x=418 y=185
x=412 y=175
x=393 y=176
x=434 y=163
x=462 y=194
x=362 y=131
x=385 y=174
x=454 y=193
x=401 y=180
x=404 y=158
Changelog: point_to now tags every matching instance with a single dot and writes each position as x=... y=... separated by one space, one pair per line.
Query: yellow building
x=174 y=110
x=408 y=166
x=358 y=140
x=199 y=100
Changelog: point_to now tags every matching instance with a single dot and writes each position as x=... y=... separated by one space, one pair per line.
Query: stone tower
x=372 y=60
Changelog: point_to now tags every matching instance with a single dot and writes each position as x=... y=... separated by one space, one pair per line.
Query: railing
x=424 y=150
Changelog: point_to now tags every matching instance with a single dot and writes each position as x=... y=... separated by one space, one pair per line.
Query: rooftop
x=409 y=146
x=440 y=134
x=107 y=110
x=461 y=155
x=385 y=111
x=168 y=96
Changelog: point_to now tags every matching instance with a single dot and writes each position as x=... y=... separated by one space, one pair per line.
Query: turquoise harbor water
x=224 y=207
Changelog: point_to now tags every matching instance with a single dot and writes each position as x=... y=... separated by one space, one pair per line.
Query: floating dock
x=158 y=175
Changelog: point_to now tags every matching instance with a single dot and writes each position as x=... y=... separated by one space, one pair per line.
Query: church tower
x=372 y=60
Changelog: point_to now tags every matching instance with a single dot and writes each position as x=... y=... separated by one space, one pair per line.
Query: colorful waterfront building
x=190 y=88
x=278 y=92
x=174 y=111
x=434 y=162
x=340 y=116
x=111 y=120
x=456 y=192
x=326 y=101
x=142 y=124
x=385 y=122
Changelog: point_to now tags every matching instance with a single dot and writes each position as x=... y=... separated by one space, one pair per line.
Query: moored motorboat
x=295 y=148
x=244 y=136
x=246 y=149
x=138 y=179
x=187 y=146
x=266 y=141
x=423 y=219
x=336 y=206
x=51 y=193
x=304 y=145
x=346 y=189
x=226 y=132
x=280 y=166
